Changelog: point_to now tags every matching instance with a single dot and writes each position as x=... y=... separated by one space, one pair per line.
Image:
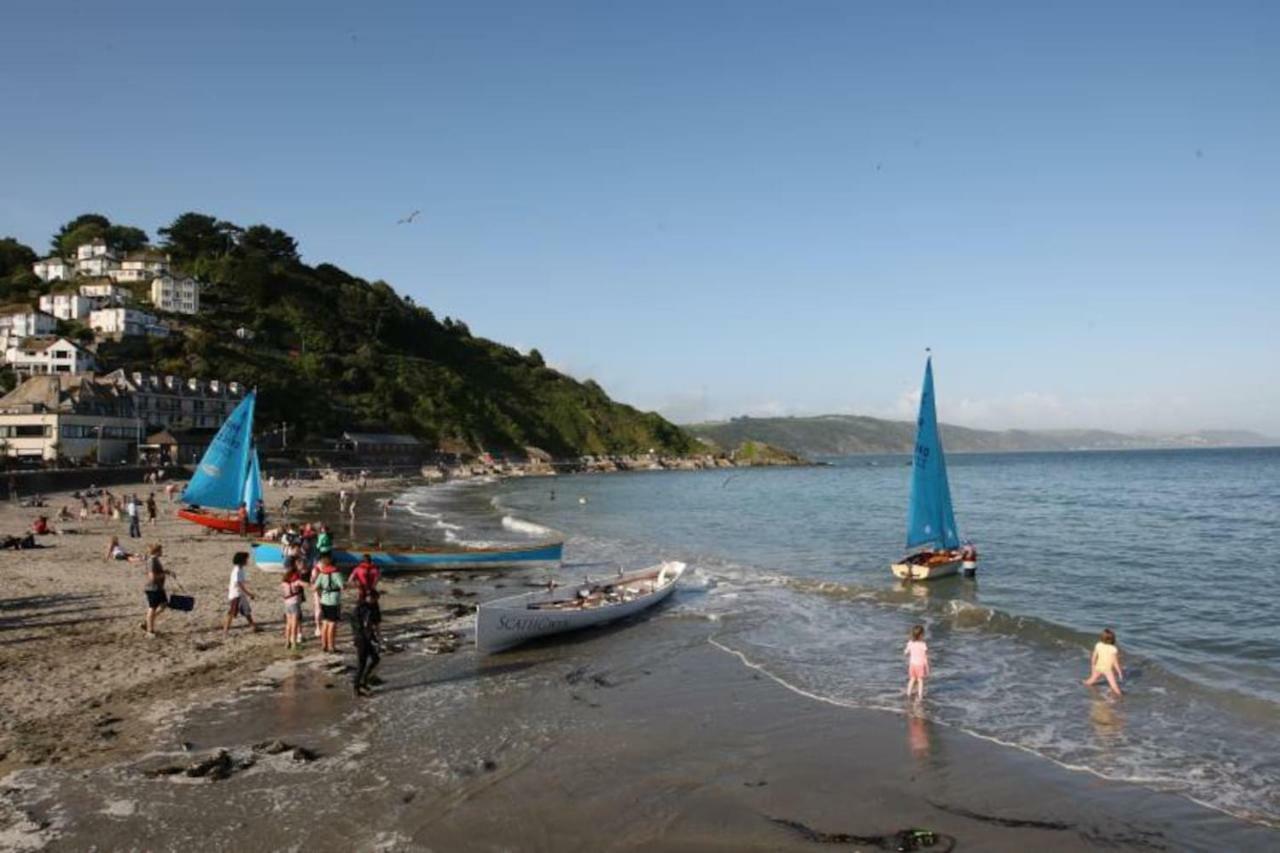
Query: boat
x=227 y=477
x=269 y=556
x=510 y=621
x=933 y=542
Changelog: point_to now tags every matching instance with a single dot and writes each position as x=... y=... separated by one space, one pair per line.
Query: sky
x=722 y=208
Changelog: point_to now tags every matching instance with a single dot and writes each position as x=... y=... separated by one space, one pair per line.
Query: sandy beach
x=650 y=735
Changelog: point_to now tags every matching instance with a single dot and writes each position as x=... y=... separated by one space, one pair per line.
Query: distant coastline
x=849 y=435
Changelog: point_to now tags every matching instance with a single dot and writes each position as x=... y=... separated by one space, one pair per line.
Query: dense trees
x=92 y=226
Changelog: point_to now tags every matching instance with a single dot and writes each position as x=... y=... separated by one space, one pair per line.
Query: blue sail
x=930 y=519
x=219 y=479
x=252 y=492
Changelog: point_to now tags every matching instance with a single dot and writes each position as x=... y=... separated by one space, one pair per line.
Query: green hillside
x=840 y=435
x=329 y=351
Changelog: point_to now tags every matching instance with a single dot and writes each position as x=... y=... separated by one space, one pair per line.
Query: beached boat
x=510 y=621
x=269 y=556
x=933 y=542
x=227 y=477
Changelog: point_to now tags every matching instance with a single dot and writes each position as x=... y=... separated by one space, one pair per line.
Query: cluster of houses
x=96 y=289
x=113 y=417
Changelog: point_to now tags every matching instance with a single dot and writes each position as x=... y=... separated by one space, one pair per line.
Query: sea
x=1174 y=550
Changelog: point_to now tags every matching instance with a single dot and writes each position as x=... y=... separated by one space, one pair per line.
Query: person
x=40 y=526
x=386 y=505
x=366 y=576
x=1105 y=662
x=342 y=501
x=917 y=653
x=242 y=519
x=291 y=588
x=64 y=514
x=238 y=595
x=152 y=509
x=311 y=569
x=284 y=507
x=364 y=635
x=169 y=490
x=351 y=509
x=156 y=599
x=115 y=551
x=131 y=509
x=328 y=587
x=260 y=515
x=324 y=541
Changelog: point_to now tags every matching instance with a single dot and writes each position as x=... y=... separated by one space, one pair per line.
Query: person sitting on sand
x=40 y=526
x=64 y=514
x=156 y=599
x=115 y=551
x=1105 y=662
x=238 y=595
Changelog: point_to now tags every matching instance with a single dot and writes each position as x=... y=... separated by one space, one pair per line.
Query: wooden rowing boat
x=509 y=621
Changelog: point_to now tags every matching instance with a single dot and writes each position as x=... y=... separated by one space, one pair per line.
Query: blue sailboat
x=933 y=540
x=227 y=476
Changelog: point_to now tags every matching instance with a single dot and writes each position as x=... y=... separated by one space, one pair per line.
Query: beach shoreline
x=650 y=735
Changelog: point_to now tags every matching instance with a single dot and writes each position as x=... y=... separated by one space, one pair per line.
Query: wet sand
x=643 y=736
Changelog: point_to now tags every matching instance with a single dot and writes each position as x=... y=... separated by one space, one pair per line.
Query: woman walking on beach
x=1105 y=662
x=152 y=510
x=291 y=588
x=156 y=599
x=917 y=653
x=328 y=588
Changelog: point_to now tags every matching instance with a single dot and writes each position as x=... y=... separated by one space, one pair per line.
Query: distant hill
x=839 y=435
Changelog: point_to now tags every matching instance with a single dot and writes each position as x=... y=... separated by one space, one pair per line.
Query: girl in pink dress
x=917 y=662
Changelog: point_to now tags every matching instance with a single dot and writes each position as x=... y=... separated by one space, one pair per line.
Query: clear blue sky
x=716 y=208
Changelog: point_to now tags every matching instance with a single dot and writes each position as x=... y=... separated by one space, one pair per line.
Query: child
x=291 y=590
x=1106 y=662
x=238 y=595
x=917 y=662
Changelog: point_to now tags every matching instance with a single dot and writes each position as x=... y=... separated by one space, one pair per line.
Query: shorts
x=292 y=608
x=156 y=598
x=239 y=606
x=330 y=612
x=917 y=670
x=375 y=613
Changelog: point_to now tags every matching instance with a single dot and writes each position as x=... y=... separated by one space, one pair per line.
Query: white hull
x=510 y=621
x=928 y=573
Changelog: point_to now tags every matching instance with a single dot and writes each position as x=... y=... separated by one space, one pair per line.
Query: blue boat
x=933 y=540
x=228 y=475
x=270 y=557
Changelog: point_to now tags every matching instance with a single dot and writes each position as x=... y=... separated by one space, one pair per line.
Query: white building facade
x=178 y=294
x=53 y=269
x=67 y=306
x=39 y=356
x=126 y=322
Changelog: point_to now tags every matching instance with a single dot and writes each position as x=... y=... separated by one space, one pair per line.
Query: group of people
x=1104 y=663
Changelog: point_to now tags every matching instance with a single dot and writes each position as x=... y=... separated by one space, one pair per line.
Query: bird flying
x=406 y=220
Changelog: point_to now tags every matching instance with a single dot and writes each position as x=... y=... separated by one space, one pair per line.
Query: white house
x=36 y=356
x=179 y=294
x=67 y=306
x=96 y=258
x=52 y=269
x=126 y=322
x=106 y=292
x=23 y=321
x=141 y=266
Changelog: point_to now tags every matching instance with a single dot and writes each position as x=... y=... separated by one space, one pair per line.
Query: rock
x=272 y=747
x=220 y=761
x=301 y=753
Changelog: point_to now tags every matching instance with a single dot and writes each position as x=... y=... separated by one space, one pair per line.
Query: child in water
x=917 y=661
x=1106 y=662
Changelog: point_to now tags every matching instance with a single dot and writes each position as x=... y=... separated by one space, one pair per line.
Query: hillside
x=839 y=435
x=329 y=351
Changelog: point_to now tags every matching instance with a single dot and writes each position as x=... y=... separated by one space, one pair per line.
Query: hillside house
x=126 y=322
x=69 y=416
x=172 y=402
x=141 y=265
x=53 y=269
x=45 y=355
x=178 y=294
x=67 y=305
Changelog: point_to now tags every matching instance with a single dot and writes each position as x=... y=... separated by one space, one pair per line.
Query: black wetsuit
x=363 y=633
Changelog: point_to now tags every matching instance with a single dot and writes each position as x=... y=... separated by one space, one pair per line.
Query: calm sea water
x=1174 y=550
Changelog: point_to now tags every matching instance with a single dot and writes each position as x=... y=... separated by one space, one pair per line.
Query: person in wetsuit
x=364 y=635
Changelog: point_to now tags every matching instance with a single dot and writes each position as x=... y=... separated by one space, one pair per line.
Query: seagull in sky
x=408 y=218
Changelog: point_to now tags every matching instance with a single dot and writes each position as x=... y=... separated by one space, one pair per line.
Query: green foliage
x=332 y=352
x=93 y=226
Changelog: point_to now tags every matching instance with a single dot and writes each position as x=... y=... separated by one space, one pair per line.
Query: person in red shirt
x=366 y=576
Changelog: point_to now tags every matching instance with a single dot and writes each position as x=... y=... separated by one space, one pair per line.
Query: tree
x=126 y=238
x=196 y=235
x=15 y=257
x=270 y=243
x=82 y=229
